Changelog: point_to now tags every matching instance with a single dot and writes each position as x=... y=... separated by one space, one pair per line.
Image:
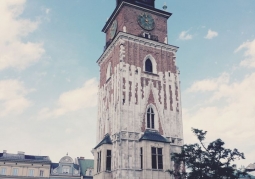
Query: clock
x=146 y=21
x=113 y=28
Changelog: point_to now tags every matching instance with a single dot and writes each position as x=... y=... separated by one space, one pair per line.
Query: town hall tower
x=139 y=120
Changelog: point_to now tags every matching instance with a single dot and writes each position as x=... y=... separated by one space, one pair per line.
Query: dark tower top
x=148 y=3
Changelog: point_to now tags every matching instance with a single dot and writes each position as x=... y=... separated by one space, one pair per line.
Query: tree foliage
x=206 y=162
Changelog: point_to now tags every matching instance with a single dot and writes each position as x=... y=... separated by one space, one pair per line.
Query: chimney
x=21 y=153
x=4 y=151
x=82 y=158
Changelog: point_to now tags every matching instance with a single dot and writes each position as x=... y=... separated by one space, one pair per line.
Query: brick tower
x=139 y=110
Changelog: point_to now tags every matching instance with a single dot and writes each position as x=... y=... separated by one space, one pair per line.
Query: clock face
x=113 y=29
x=146 y=21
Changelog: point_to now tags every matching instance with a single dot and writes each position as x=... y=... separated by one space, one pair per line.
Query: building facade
x=65 y=169
x=139 y=107
x=23 y=166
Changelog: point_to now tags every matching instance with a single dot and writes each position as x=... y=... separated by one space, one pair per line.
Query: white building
x=23 y=166
x=139 y=111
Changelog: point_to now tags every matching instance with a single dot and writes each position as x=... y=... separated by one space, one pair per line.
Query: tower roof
x=153 y=136
x=106 y=140
x=148 y=3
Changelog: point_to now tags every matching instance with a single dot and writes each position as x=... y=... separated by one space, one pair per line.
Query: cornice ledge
x=136 y=39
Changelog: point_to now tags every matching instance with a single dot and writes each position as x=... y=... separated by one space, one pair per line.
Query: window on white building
x=141 y=157
x=150 y=118
x=66 y=169
x=108 y=160
x=15 y=171
x=31 y=172
x=156 y=158
x=98 y=162
x=3 y=171
x=41 y=173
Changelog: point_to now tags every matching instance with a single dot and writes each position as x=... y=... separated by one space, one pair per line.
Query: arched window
x=148 y=66
x=150 y=118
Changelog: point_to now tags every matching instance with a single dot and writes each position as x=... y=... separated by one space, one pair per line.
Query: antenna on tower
x=165 y=6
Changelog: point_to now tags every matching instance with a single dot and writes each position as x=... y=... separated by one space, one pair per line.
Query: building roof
x=76 y=166
x=106 y=140
x=152 y=135
x=85 y=164
x=21 y=157
x=54 y=165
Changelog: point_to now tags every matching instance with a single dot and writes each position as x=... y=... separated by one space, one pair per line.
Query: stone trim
x=121 y=36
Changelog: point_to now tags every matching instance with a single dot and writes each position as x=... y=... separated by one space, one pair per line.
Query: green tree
x=206 y=162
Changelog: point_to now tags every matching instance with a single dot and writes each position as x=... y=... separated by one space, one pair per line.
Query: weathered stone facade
x=127 y=91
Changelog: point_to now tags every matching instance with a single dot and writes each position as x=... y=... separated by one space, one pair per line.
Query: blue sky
x=49 y=75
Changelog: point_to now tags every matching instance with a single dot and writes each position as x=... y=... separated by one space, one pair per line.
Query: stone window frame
x=3 y=171
x=156 y=127
x=156 y=165
x=41 y=173
x=154 y=64
x=66 y=169
x=141 y=158
x=31 y=172
x=108 y=159
x=99 y=161
x=15 y=173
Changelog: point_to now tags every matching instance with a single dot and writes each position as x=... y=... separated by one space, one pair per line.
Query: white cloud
x=249 y=61
x=185 y=36
x=73 y=100
x=211 y=34
x=13 y=97
x=14 y=52
x=227 y=110
x=209 y=84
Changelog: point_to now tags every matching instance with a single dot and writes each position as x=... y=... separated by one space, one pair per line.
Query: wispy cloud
x=249 y=53
x=227 y=109
x=185 y=36
x=73 y=100
x=14 y=52
x=211 y=34
x=209 y=84
x=13 y=99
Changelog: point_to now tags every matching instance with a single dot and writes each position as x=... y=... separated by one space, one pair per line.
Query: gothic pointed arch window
x=150 y=118
x=148 y=66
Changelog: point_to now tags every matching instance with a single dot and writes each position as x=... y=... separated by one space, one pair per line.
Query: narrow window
x=3 y=171
x=141 y=157
x=156 y=158
x=31 y=172
x=160 y=158
x=148 y=66
x=15 y=171
x=150 y=118
x=108 y=160
x=41 y=173
x=98 y=162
